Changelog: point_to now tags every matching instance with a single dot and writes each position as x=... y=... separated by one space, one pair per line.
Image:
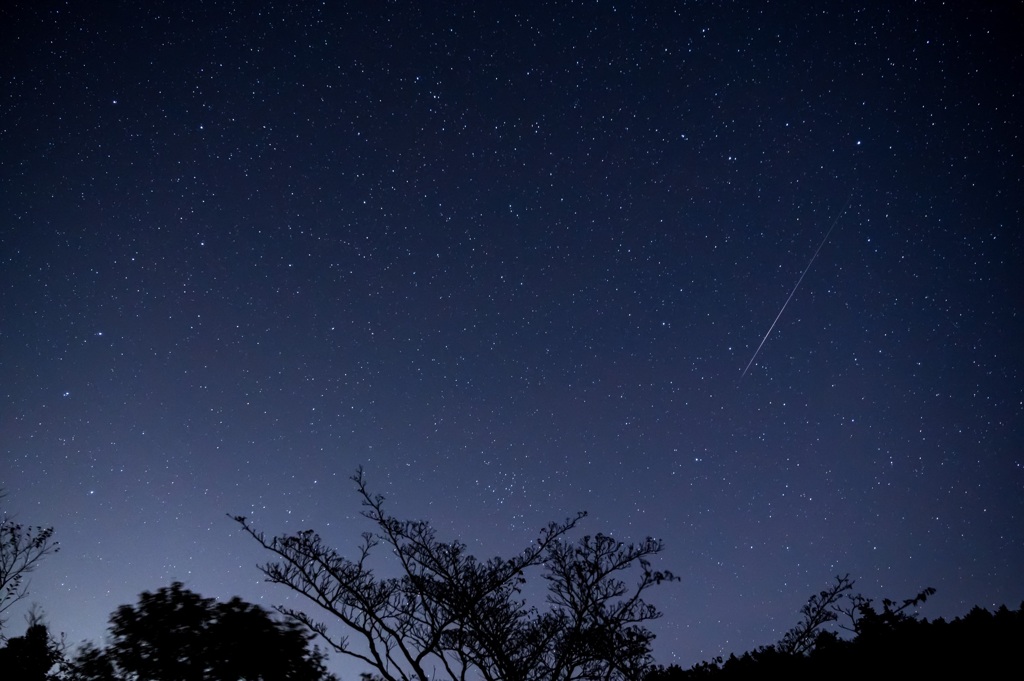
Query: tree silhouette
x=818 y=611
x=21 y=548
x=177 y=635
x=448 y=614
x=892 y=641
x=33 y=656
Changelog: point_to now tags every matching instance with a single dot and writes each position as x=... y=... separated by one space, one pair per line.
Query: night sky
x=513 y=259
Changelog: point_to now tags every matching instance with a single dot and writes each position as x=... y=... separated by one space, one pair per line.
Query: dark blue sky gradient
x=513 y=260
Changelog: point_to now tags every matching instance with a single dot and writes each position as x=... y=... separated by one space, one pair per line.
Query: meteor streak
x=791 y=293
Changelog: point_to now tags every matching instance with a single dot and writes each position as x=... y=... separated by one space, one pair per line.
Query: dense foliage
x=177 y=635
x=31 y=657
x=891 y=640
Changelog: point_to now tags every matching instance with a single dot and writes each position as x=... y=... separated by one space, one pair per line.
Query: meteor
x=791 y=293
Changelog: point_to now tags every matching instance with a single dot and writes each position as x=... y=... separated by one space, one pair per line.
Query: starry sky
x=513 y=259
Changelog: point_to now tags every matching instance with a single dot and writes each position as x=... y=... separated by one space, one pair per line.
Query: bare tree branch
x=21 y=549
x=818 y=611
x=449 y=614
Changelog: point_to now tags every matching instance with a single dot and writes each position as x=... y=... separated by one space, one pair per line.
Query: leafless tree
x=448 y=614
